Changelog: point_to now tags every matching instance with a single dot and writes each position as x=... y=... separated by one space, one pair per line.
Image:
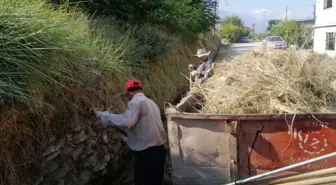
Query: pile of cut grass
x=272 y=82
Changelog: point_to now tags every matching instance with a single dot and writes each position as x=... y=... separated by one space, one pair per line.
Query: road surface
x=227 y=53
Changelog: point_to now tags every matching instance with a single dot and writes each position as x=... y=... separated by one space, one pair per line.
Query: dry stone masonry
x=80 y=156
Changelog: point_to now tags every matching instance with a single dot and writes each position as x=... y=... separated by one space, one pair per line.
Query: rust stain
x=272 y=145
x=252 y=147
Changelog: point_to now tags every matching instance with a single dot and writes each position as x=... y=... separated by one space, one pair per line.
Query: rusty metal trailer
x=210 y=149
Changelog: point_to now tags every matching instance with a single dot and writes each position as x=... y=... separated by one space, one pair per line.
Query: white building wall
x=320 y=40
x=326 y=16
x=325 y=22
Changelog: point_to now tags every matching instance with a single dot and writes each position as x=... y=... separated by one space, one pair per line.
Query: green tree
x=257 y=36
x=285 y=29
x=190 y=17
x=233 y=32
x=272 y=23
x=234 y=20
x=233 y=29
x=294 y=34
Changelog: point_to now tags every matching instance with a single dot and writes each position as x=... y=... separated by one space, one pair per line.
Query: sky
x=250 y=10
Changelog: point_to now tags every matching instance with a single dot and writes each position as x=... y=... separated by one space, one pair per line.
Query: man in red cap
x=146 y=135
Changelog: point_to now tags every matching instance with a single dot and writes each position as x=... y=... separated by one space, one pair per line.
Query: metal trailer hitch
x=286 y=168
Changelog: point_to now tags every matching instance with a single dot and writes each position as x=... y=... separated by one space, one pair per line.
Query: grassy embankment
x=55 y=65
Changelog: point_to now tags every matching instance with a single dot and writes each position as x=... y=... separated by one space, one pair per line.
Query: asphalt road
x=227 y=53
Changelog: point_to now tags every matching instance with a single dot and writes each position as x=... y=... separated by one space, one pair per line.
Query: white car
x=274 y=42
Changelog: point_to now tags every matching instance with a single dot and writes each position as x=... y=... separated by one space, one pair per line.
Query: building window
x=327 y=4
x=330 y=41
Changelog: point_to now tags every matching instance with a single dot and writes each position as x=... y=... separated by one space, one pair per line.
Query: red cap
x=132 y=83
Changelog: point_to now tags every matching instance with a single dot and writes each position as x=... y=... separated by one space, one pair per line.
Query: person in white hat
x=202 y=71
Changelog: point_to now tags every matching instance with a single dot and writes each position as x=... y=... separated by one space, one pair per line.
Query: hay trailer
x=212 y=149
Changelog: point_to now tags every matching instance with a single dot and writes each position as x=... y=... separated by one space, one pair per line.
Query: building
x=305 y=22
x=325 y=27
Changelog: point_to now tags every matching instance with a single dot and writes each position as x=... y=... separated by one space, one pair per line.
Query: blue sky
x=250 y=10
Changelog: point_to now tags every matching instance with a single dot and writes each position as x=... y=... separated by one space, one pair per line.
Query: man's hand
x=193 y=73
x=191 y=67
x=94 y=111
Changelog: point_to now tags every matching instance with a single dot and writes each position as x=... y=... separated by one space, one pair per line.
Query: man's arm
x=126 y=120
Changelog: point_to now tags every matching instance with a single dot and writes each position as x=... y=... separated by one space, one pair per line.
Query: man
x=146 y=135
x=203 y=70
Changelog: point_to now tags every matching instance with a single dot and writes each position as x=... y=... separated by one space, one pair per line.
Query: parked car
x=244 y=39
x=274 y=42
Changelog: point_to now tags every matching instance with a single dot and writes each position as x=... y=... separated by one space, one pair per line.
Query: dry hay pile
x=272 y=82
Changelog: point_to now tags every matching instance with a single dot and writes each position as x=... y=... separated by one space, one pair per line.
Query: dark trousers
x=149 y=166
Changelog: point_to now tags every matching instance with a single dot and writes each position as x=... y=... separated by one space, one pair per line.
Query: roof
x=303 y=20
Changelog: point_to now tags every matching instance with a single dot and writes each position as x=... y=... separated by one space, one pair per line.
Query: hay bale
x=272 y=82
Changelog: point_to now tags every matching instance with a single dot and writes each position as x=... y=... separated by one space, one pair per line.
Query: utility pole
x=263 y=12
x=253 y=27
x=216 y=14
x=286 y=18
x=314 y=13
x=314 y=5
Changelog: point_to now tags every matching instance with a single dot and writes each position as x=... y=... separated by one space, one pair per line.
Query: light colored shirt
x=142 y=119
x=204 y=68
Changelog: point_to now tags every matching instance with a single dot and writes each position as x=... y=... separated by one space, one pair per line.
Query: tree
x=233 y=29
x=234 y=20
x=233 y=32
x=190 y=17
x=272 y=23
x=257 y=36
x=294 y=34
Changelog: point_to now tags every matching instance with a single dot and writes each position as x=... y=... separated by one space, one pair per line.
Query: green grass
x=55 y=64
x=41 y=44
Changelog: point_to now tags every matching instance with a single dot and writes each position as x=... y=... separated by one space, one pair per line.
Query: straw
x=272 y=82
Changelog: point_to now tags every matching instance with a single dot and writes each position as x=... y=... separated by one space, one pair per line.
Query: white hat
x=201 y=53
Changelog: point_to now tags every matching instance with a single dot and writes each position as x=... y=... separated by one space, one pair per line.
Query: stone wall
x=81 y=156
